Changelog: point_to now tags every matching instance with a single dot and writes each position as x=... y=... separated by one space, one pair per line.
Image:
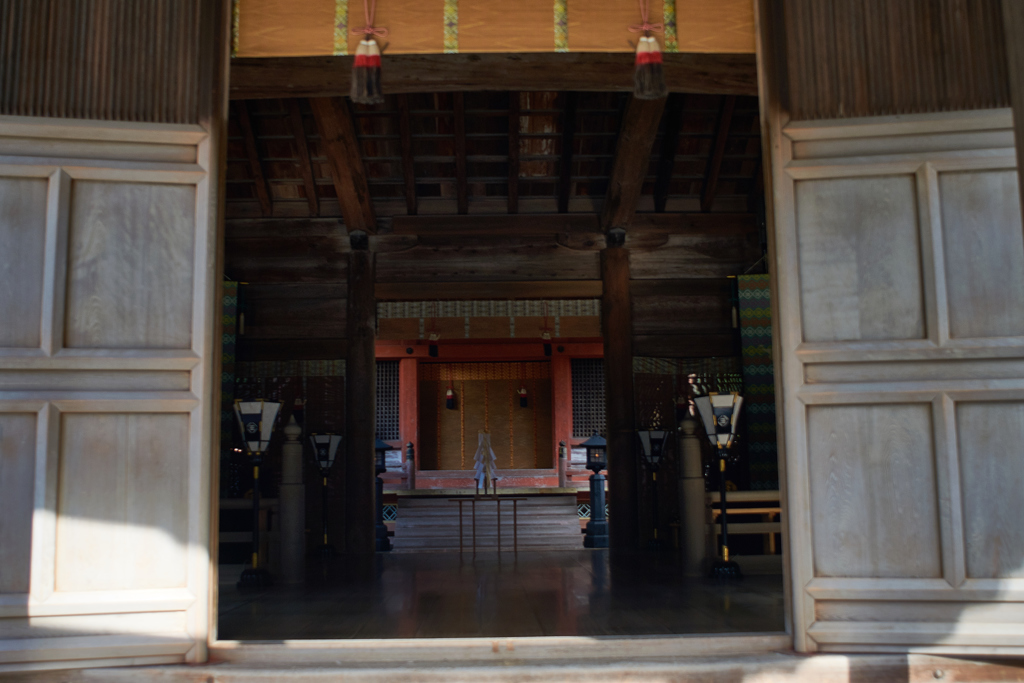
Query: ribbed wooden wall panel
x=850 y=58
x=121 y=60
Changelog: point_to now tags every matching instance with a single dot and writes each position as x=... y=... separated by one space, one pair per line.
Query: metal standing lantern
x=720 y=414
x=256 y=421
x=597 y=460
x=325 y=450
x=380 y=450
x=652 y=446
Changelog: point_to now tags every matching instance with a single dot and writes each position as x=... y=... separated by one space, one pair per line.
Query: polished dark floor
x=443 y=595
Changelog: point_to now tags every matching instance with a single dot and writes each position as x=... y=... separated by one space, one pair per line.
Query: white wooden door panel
x=899 y=254
x=23 y=234
x=105 y=392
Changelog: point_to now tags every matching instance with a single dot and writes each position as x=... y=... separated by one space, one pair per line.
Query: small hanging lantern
x=649 y=77
x=366 y=73
x=449 y=396
x=366 y=67
x=649 y=74
x=522 y=397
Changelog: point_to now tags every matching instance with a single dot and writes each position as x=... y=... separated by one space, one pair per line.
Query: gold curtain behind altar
x=285 y=28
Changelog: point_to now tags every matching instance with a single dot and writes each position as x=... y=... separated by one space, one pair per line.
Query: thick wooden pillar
x=561 y=403
x=616 y=317
x=360 y=399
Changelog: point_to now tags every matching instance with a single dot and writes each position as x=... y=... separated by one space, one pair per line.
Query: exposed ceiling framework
x=491 y=153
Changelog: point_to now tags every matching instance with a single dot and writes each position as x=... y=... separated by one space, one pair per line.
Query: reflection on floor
x=440 y=595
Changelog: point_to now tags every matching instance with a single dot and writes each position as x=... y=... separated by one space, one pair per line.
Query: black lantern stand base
x=597 y=527
x=725 y=571
x=383 y=543
x=597 y=535
x=255 y=577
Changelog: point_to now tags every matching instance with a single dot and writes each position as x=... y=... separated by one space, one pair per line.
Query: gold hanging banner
x=284 y=28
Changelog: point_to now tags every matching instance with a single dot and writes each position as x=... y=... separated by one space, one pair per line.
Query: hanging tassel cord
x=645 y=26
x=369 y=30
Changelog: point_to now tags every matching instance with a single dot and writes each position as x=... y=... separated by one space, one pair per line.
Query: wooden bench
x=766 y=504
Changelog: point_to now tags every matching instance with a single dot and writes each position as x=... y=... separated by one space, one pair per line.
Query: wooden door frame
x=486 y=649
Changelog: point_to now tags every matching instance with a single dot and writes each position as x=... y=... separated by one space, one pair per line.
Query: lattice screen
x=387 y=401
x=587 y=397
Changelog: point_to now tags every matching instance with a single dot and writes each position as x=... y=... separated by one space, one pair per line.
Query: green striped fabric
x=755 y=310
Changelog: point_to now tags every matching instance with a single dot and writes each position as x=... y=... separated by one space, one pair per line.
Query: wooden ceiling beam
x=255 y=165
x=565 y=163
x=632 y=154
x=562 y=223
x=334 y=121
x=482 y=291
x=302 y=149
x=513 y=152
x=669 y=144
x=514 y=225
x=461 y=183
x=405 y=141
x=272 y=77
x=707 y=196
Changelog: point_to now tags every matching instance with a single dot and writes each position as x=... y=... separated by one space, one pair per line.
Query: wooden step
x=542 y=523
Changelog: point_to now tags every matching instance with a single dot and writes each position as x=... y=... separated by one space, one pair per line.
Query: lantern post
x=720 y=413
x=325 y=450
x=597 y=460
x=256 y=421
x=652 y=442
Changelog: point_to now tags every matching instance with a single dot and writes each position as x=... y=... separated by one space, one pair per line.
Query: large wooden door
x=900 y=261
x=108 y=278
x=898 y=255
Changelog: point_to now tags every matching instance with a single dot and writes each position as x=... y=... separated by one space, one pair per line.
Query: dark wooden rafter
x=669 y=144
x=565 y=162
x=255 y=165
x=714 y=168
x=302 y=149
x=632 y=153
x=334 y=121
x=272 y=77
x=513 y=152
x=405 y=141
x=461 y=183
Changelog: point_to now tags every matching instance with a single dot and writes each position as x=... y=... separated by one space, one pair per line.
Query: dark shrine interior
x=489 y=196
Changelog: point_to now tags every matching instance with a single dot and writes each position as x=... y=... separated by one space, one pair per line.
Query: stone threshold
x=776 y=667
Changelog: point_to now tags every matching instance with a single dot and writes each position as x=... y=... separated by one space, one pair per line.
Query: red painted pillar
x=408 y=405
x=561 y=404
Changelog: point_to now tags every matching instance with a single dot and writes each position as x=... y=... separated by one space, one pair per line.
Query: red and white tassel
x=522 y=397
x=449 y=399
x=649 y=77
x=366 y=73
